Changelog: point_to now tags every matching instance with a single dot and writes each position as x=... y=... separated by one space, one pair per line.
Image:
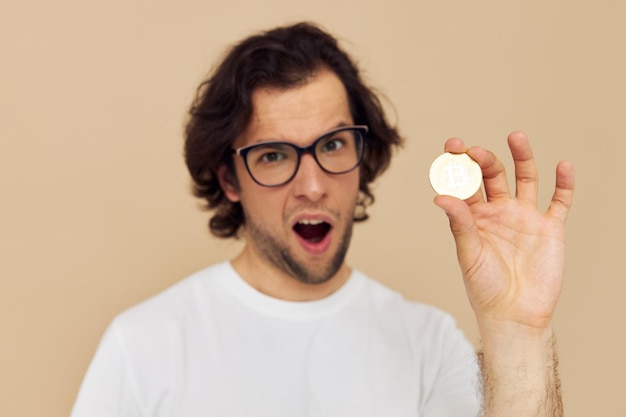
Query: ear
x=229 y=183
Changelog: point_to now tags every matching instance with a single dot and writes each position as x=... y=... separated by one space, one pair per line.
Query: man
x=283 y=142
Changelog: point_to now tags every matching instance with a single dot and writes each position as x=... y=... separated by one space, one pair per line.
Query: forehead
x=298 y=114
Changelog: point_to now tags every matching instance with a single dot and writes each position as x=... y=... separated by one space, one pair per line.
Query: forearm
x=519 y=372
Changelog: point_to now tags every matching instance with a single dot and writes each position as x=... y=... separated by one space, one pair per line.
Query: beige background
x=95 y=212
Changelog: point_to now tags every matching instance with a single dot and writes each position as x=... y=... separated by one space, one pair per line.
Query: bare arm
x=512 y=259
x=520 y=377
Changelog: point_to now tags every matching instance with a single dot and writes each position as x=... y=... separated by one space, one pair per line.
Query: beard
x=278 y=254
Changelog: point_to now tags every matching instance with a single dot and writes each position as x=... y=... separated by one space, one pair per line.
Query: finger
x=454 y=145
x=494 y=174
x=463 y=228
x=526 y=179
x=564 y=191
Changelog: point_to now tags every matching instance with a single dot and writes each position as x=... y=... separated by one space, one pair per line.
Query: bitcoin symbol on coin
x=457 y=175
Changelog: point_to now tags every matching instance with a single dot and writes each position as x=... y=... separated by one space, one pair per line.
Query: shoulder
x=392 y=302
x=427 y=328
x=185 y=300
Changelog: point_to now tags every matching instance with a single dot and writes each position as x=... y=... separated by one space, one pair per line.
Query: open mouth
x=313 y=231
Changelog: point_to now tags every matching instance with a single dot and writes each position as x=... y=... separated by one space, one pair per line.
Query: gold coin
x=455 y=174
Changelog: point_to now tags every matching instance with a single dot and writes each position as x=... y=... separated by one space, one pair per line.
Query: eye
x=333 y=144
x=271 y=157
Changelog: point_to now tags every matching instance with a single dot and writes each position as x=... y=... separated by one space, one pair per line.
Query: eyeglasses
x=272 y=164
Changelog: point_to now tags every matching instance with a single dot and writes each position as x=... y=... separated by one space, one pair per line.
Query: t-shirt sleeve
x=451 y=379
x=107 y=389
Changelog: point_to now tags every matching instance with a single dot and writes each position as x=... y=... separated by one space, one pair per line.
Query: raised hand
x=511 y=254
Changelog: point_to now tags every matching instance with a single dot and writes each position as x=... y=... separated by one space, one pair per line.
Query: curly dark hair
x=284 y=57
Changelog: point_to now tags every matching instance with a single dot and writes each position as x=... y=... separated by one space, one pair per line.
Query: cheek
x=345 y=192
x=264 y=205
x=354 y=181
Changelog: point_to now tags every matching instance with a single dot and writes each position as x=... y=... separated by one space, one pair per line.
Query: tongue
x=312 y=232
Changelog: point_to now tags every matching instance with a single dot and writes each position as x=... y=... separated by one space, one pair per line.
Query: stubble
x=277 y=253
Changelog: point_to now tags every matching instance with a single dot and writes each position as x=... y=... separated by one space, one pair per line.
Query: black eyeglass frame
x=300 y=150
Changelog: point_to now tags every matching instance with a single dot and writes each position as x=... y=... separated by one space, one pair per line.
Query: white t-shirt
x=212 y=345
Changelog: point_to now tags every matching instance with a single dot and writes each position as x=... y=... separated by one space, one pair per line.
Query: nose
x=310 y=181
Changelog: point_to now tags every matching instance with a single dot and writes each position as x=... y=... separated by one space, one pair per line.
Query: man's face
x=302 y=228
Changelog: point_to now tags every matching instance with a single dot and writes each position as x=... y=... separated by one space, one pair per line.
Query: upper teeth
x=310 y=221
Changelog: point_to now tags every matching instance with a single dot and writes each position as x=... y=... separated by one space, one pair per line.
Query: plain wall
x=95 y=208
